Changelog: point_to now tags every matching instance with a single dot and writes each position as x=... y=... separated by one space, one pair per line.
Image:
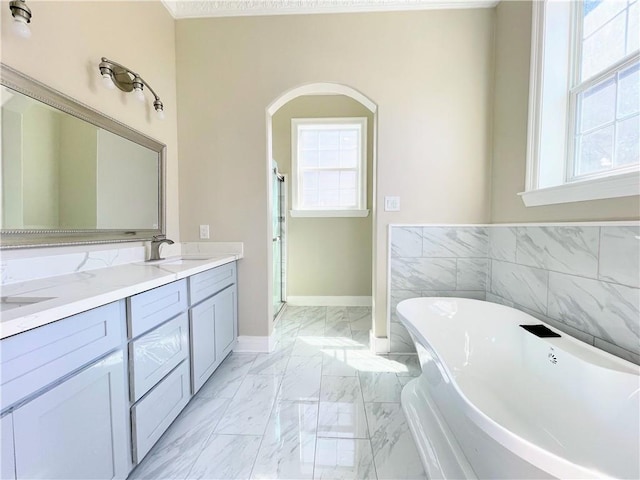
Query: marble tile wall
x=431 y=262
x=584 y=280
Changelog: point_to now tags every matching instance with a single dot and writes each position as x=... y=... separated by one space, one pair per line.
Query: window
x=584 y=116
x=329 y=164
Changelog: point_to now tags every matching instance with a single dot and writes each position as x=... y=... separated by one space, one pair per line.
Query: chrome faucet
x=157 y=241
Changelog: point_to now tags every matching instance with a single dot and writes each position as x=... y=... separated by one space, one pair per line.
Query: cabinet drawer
x=148 y=309
x=205 y=284
x=156 y=353
x=152 y=415
x=32 y=360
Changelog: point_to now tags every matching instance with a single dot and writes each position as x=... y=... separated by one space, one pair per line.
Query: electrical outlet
x=391 y=204
x=204 y=232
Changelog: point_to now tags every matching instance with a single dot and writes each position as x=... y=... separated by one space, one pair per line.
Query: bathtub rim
x=538 y=456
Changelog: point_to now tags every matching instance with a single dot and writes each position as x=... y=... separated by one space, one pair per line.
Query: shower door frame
x=282 y=178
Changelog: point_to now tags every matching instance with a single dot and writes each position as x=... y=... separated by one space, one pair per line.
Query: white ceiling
x=235 y=8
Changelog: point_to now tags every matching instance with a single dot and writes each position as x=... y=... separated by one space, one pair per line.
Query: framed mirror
x=71 y=175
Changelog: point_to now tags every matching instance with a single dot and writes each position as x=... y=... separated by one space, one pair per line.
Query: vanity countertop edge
x=78 y=292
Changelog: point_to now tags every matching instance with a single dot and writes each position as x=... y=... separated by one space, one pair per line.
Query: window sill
x=329 y=213
x=624 y=185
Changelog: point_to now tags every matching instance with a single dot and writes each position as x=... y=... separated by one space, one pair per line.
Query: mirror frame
x=24 y=238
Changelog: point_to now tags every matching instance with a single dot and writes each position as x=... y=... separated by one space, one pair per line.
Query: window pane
x=329 y=158
x=310 y=198
x=329 y=139
x=309 y=158
x=599 y=12
x=349 y=139
x=348 y=180
x=605 y=47
x=596 y=151
x=627 y=147
x=310 y=180
x=628 y=87
x=308 y=139
x=597 y=105
x=329 y=180
x=329 y=198
x=349 y=158
x=348 y=198
x=633 y=28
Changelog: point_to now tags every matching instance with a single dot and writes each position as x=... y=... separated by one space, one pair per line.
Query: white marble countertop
x=77 y=292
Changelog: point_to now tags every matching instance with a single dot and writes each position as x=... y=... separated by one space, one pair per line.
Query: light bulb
x=107 y=81
x=160 y=113
x=139 y=93
x=20 y=27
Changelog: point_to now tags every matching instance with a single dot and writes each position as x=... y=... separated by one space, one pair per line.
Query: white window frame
x=297 y=209
x=552 y=107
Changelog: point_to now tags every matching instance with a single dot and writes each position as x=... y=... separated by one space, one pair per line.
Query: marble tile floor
x=321 y=406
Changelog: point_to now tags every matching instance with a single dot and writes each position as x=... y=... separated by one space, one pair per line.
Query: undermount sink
x=9 y=303
x=176 y=261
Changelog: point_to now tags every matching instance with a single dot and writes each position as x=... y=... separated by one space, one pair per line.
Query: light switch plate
x=204 y=232
x=391 y=204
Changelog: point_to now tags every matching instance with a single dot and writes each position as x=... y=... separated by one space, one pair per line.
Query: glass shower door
x=277 y=219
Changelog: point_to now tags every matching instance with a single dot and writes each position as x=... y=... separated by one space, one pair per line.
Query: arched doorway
x=313 y=89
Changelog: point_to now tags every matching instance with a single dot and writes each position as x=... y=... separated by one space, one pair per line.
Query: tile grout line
x=206 y=442
x=275 y=401
x=366 y=419
x=315 y=445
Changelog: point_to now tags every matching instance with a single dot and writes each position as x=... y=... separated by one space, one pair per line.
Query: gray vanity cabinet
x=87 y=397
x=65 y=399
x=213 y=321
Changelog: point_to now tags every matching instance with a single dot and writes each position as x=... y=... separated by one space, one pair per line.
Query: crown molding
x=181 y=9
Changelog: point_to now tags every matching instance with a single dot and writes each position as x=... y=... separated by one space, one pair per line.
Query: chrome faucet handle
x=157 y=241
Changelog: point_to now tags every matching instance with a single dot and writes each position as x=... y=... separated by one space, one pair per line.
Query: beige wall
x=430 y=73
x=326 y=256
x=69 y=38
x=512 y=54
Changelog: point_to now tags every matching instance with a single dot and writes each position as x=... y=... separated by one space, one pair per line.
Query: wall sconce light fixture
x=116 y=75
x=21 y=14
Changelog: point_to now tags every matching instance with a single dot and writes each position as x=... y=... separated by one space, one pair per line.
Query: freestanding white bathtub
x=495 y=401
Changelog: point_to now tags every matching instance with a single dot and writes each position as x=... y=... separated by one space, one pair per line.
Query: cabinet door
x=225 y=318
x=7 y=460
x=78 y=429
x=203 y=347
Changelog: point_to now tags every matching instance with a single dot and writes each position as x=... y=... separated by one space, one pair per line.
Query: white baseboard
x=251 y=344
x=322 y=301
x=378 y=345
